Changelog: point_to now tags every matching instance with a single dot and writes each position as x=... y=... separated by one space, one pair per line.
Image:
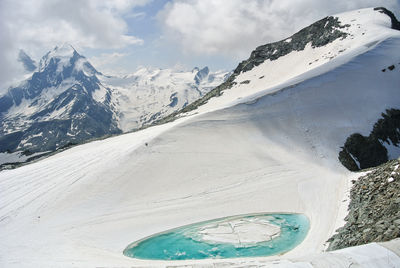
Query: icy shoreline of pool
x=256 y=235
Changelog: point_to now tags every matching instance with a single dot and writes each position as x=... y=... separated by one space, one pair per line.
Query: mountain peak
x=65 y=49
x=61 y=55
x=65 y=59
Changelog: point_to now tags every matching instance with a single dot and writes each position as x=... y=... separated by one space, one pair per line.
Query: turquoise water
x=182 y=243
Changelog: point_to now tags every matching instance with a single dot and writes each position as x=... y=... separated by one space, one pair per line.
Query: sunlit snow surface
x=275 y=151
x=249 y=236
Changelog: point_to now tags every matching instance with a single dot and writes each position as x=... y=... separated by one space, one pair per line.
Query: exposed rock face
x=395 y=22
x=367 y=151
x=361 y=152
x=318 y=34
x=201 y=74
x=374 y=209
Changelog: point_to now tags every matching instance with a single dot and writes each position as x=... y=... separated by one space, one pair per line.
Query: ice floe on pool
x=237 y=236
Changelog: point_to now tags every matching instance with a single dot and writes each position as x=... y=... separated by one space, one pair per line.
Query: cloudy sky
x=118 y=36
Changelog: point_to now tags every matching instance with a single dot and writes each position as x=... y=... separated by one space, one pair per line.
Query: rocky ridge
x=374 y=209
x=318 y=34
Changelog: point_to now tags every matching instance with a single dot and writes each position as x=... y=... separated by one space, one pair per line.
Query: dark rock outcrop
x=201 y=74
x=174 y=100
x=370 y=151
x=395 y=22
x=318 y=34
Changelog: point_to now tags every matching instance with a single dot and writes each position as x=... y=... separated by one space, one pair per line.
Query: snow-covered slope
x=314 y=50
x=257 y=148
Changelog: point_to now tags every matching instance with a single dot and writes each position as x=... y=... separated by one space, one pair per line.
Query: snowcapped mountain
x=67 y=101
x=149 y=95
x=63 y=102
x=266 y=140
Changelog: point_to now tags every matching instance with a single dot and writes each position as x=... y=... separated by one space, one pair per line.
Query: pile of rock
x=374 y=209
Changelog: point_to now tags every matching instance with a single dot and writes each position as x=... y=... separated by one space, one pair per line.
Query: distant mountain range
x=149 y=95
x=67 y=101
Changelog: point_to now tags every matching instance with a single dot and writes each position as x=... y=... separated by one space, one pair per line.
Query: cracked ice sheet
x=240 y=231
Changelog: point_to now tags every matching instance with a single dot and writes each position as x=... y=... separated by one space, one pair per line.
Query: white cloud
x=121 y=6
x=38 y=25
x=108 y=62
x=236 y=27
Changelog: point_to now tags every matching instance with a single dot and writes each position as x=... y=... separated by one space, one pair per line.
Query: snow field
x=268 y=153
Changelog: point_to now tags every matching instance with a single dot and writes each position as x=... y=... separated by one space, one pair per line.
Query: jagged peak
x=64 y=50
x=61 y=54
x=66 y=56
